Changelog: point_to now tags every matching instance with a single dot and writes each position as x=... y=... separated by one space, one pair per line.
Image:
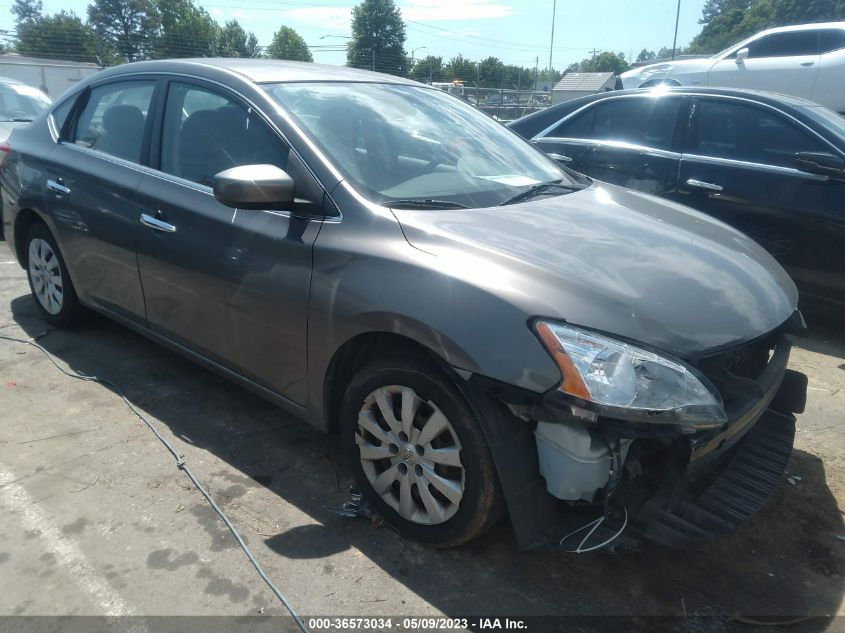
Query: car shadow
x=786 y=563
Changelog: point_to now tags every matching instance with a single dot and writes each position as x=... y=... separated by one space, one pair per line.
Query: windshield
x=19 y=102
x=402 y=144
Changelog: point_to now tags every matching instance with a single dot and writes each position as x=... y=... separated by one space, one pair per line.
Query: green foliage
x=378 y=38
x=234 y=41
x=288 y=44
x=26 y=11
x=428 y=69
x=606 y=62
x=646 y=55
x=460 y=68
x=125 y=28
x=60 y=36
x=727 y=22
x=186 y=31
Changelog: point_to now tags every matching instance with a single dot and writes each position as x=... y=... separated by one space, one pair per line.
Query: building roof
x=14 y=58
x=583 y=81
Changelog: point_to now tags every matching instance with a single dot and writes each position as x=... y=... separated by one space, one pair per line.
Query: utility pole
x=536 y=71
x=552 y=43
x=677 y=19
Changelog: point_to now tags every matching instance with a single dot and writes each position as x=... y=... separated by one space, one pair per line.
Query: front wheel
x=419 y=454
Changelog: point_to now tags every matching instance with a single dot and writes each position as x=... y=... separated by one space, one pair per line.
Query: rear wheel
x=49 y=280
x=419 y=454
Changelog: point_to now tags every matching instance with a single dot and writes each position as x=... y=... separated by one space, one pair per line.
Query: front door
x=786 y=63
x=739 y=166
x=230 y=284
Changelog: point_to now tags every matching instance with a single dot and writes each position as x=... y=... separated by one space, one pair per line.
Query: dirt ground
x=97 y=520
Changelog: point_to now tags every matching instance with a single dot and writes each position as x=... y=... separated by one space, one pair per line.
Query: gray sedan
x=486 y=331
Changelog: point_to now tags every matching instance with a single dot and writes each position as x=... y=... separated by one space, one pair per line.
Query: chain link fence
x=501 y=104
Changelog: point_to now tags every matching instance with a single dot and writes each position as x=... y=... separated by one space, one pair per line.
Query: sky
x=516 y=31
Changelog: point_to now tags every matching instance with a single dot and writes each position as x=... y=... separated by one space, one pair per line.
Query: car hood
x=616 y=261
x=664 y=68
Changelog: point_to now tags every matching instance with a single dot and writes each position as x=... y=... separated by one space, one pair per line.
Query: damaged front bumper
x=560 y=470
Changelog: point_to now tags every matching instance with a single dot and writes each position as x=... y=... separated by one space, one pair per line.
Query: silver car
x=486 y=331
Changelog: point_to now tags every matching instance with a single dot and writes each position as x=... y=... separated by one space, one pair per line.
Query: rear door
x=738 y=165
x=786 y=63
x=91 y=181
x=229 y=284
x=630 y=141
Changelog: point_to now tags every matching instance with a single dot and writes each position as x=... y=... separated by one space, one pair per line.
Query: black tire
x=482 y=502
x=70 y=309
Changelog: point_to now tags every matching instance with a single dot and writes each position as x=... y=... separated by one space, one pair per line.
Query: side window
x=61 y=113
x=642 y=121
x=790 y=44
x=744 y=132
x=832 y=40
x=114 y=118
x=205 y=132
x=579 y=126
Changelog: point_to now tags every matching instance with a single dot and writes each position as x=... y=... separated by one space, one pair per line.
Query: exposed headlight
x=625 y=380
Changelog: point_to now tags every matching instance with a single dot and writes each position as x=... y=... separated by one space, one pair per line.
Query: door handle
x=807 y=63
x=700 y=184
x=57 y=187
x=155 y=223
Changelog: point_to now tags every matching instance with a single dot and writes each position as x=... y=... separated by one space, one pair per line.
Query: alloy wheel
x=411 y=455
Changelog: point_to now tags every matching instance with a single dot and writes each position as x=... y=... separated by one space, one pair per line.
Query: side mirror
x=741 y=55
x=254 y=187
x=559 y=158
x=821 y=164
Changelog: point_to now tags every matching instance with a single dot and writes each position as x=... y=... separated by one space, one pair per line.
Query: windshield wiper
x=424 y=203
x=539 y=189
x=20 y=120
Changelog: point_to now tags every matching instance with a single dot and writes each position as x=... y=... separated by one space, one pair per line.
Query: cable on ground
x=180 y=463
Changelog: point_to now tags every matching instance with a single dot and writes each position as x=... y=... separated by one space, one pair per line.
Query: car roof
x=9 y=80
x=260 y=70
x=805 y=27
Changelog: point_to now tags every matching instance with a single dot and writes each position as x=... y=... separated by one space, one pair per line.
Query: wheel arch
x=24 y=219
x=365 y=348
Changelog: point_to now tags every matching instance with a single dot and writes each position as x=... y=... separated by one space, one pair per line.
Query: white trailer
x=52 y=76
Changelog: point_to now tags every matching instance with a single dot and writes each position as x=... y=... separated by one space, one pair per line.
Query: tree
x=461 y=69
x=288 y=44
x=602 y=63
x=491 y=72
x=186 y=30
x=26 y=11
x=378 y=38
x=60 y=36
x=646 y=55
x=428 y=69
x=127 y=27
x=233 y=41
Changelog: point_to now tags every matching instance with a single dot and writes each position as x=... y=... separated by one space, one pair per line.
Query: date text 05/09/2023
x=426 y=623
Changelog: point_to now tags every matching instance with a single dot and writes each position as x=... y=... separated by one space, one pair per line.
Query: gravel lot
x=98 y=520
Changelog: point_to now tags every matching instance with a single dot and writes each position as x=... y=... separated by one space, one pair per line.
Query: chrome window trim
x=123 y=162
x=776 y=169
x=643 y=149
